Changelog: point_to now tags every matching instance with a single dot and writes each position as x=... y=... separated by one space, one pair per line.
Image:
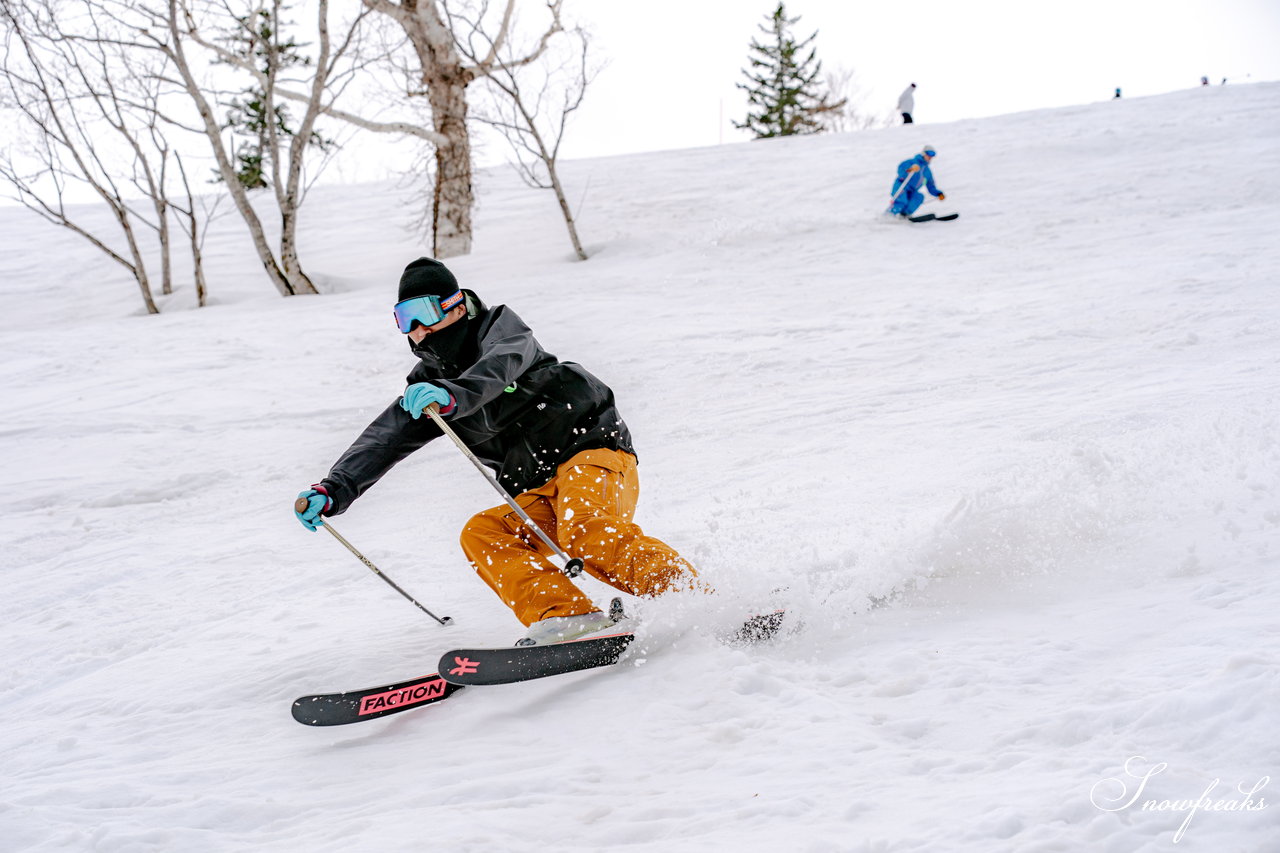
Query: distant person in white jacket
x=907 y=103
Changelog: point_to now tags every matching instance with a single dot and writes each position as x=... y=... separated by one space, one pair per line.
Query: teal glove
x=317 y=502
x=418 y=396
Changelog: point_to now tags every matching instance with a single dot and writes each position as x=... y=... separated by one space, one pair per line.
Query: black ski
x=522 y=663
x=507 y=665
x=338 y=709
x=933 y=217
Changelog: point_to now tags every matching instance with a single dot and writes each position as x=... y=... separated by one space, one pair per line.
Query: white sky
x=673 y=63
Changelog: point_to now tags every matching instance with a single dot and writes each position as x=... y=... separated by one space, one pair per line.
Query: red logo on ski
x=413 y=694
x=465 y=666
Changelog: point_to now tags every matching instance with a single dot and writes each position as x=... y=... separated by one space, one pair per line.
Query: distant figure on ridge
x=907 y=103
x=1204 y=81
x=912 y=173
x=1117 y=93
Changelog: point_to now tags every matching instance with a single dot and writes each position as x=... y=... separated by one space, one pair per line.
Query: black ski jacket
x=521 y=410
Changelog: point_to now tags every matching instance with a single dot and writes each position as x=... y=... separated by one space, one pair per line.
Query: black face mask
x=446 y=346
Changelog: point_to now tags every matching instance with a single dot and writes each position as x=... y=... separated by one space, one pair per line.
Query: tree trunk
x=565 y=211
x=138 y=267
x=192 y=229
x=445 y=80
x=166 y=263
x=289 y=252
x=453 y=199
x=145 y=288
x=289 y=193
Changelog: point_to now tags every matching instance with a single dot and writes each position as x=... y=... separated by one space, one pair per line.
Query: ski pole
x=301 y=506
x=572 y=566
x=901 y=187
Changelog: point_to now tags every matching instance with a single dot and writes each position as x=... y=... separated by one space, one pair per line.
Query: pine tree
x=784 y=93
x=255 y=115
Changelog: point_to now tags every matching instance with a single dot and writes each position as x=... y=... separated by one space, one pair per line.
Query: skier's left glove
x=318 y=501
x=942 y=196
x=422 y=394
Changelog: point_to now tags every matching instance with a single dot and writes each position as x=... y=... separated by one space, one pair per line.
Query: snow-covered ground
x=1017 y=474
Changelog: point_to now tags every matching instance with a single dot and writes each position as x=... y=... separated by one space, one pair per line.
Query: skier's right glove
x=317 y=502
x=420 y=395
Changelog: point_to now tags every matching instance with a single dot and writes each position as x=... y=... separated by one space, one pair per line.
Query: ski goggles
x=427 y=310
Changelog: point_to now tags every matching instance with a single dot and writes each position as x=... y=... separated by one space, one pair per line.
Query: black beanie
x=426 y=277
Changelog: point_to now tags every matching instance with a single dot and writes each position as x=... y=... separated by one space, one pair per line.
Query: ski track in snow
x=1016 y=475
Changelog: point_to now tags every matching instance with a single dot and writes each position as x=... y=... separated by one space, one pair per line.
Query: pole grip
x=301 y=504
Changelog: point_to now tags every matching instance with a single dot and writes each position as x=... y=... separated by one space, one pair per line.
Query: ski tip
x=338 y=709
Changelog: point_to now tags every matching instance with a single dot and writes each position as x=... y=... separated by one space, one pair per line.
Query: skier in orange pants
x=551 y=433
x=587 y=507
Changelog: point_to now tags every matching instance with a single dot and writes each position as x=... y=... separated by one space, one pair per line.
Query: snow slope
x=1017 y=475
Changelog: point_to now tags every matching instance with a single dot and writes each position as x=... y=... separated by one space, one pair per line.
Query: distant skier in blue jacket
x=913 y=172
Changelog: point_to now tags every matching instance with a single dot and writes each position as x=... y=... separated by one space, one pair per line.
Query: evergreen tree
x=784 y=92
x=254 y=115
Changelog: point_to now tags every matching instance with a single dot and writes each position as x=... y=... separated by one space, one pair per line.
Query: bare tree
x=165 y=48
x=435 y=29
x=852 y=114
x=532 y=115
x=186 y=23
x=88 y=126
x=185 y=35
x=336 y=68
x=194 y=230
x=439 y=70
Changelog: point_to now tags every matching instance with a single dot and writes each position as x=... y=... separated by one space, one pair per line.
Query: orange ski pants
x=587 y=508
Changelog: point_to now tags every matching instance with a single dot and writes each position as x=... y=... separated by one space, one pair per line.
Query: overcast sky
x=673 y=63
